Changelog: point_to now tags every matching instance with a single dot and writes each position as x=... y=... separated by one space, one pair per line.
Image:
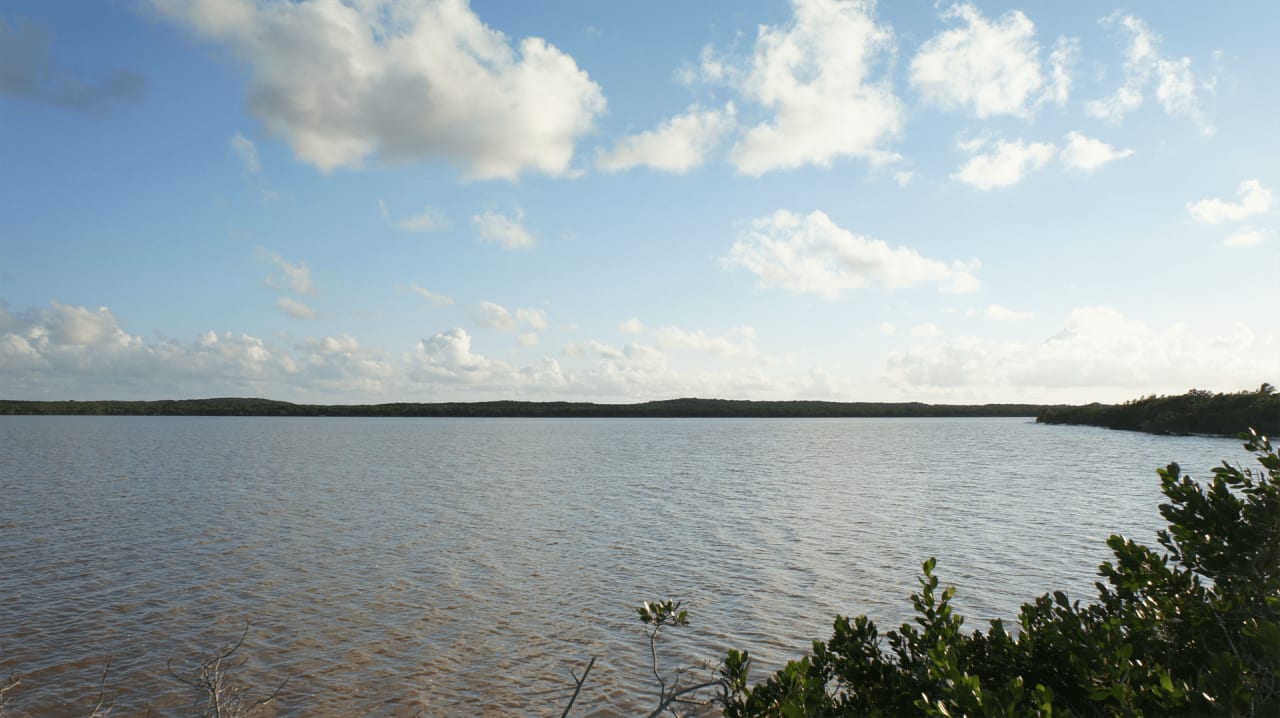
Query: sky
x=429 y=200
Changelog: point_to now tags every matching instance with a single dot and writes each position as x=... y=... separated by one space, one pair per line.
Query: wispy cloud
x=432 y=297
x=1176 y=89
x=295 y=308
x=505 y=231
x=291 y=277
x=429 y=220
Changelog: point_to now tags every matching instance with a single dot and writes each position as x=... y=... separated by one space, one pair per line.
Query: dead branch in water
x=219 y=691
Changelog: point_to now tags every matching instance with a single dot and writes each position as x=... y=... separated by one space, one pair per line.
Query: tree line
x=1196 y=412
x=672 y=408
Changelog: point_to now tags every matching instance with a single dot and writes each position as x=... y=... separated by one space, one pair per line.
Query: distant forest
x=674 y=408
x=1196 y=412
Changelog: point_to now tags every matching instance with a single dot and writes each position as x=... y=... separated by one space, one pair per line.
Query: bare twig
x=5 y=688
x=220 y=693
x=577 y=688
x=99 y=710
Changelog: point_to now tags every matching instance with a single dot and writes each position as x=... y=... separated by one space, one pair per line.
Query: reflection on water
x=463 y=567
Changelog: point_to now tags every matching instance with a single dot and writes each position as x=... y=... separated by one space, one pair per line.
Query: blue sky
x=409 y=200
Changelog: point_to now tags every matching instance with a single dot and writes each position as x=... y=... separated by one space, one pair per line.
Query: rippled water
x=463 y=567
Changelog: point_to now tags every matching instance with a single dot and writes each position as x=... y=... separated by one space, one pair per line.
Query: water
x=464 y=567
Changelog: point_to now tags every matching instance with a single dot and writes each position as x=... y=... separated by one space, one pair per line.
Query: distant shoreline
x=672 y=408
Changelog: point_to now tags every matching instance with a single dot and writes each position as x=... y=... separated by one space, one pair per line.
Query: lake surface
x=464 y=567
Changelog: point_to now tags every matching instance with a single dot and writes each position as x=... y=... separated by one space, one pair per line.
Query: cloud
x=447 y=358
x=1006 y=164
x=1004 y=314
x=439 y=300
x=991 y=67
x=65 y=350
x=738 y=341
x=902 y=178
x=1098 y=354
x=1061 y=59
x=1254 y=199
x=1086 y=155
x=430 y=220
x=817 y=76
x=29 y=71
x=533 y=318
x=888 y=329
x=506 y=232
x=812 y=255
x=68 y=351
x=928 y=329
x=603 y=350
x=529 y=339
x=493 y=316
x=247 y=152
x=401 y=82
x=343 y=344
x=292 y=277
x=631 y=326
x=1176 y=90
x=678 y=145
x=1248 y=237
x=295 y=308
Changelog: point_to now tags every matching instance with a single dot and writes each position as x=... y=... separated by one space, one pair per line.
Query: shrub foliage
x=1190 y=630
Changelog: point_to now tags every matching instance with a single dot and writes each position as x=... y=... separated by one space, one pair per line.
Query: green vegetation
x=673 y=408
x=1196 y=412
x=1194 y=630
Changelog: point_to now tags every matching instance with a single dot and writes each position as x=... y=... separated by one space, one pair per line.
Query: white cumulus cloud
x=493 y=316
x=679 y=144
x=1086 y=154
x=401 y=80
x=819 y=76
x=811 y=254
x=1003 y=164
x=993 y=67
x=447 y=358
x=342 y=344
x=1254 y=199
